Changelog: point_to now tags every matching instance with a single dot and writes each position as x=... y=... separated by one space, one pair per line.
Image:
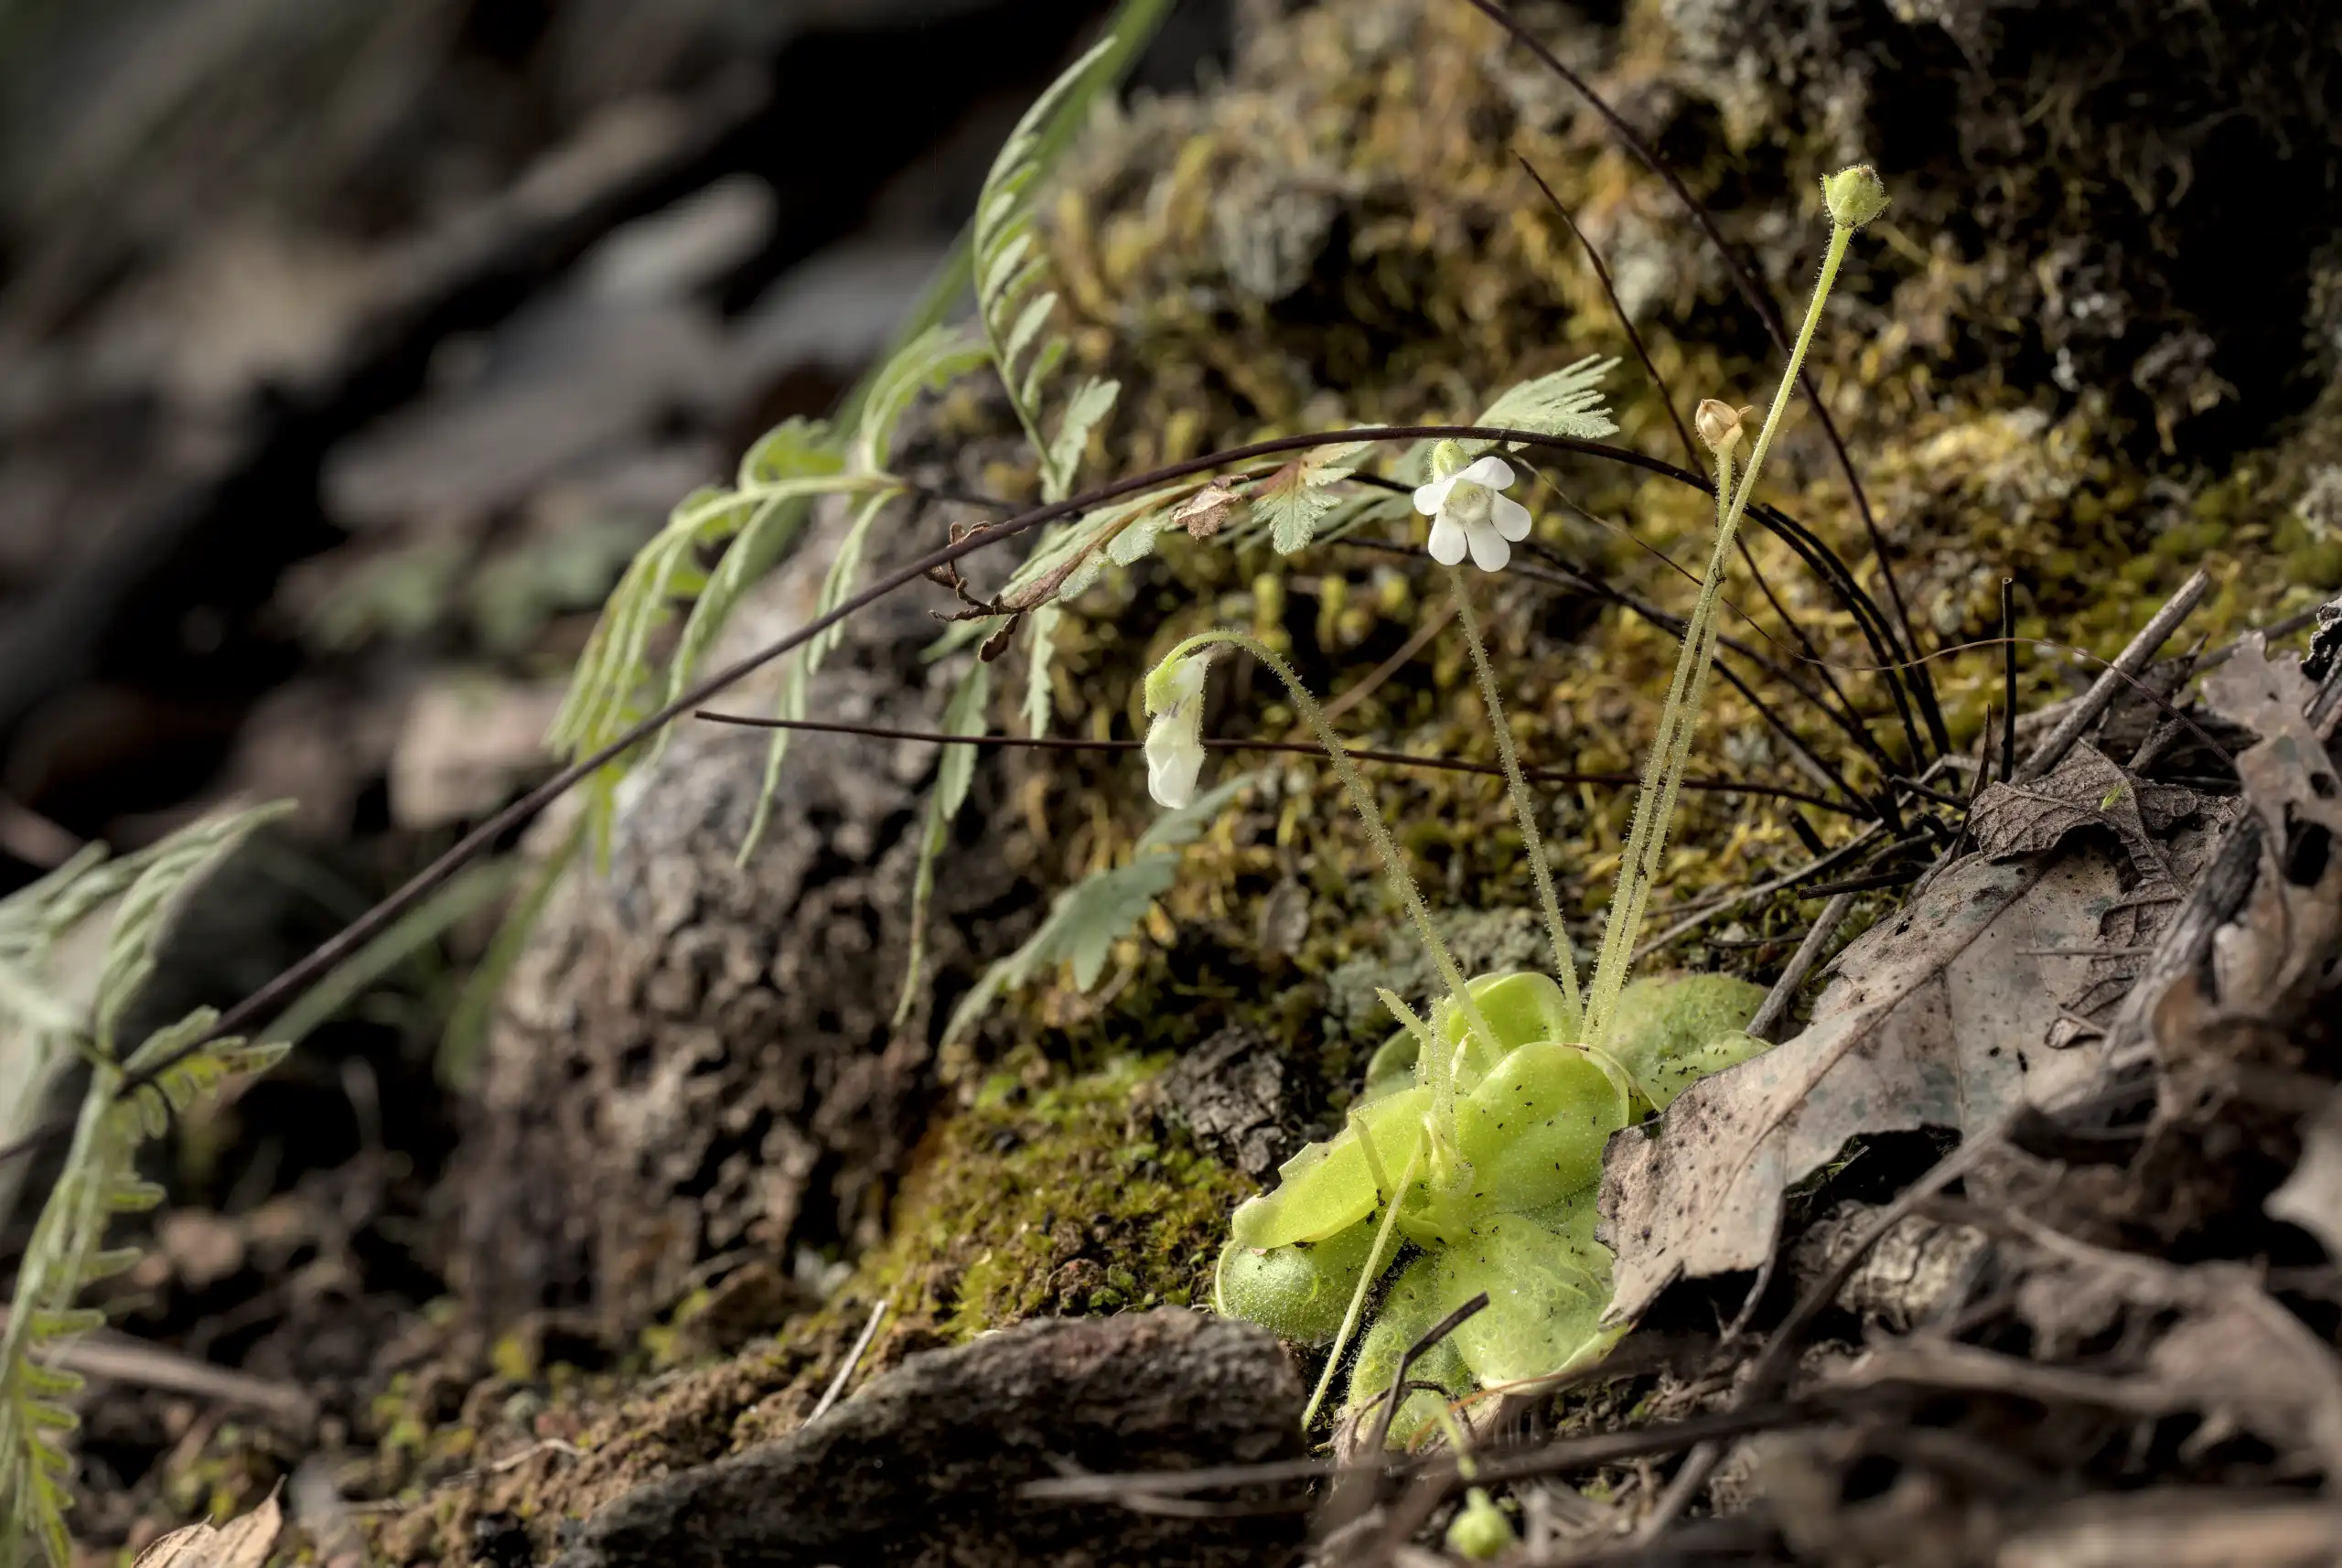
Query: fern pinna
x=44 y=1028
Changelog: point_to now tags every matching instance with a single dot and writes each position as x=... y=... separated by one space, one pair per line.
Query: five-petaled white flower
x=1467 y=513
x=1175 y=740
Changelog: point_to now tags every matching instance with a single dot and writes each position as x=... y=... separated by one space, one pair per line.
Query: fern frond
x=66 y=1252
x=1293 y=500
x=176 y=865
x=1010 y=299
x=955 y=773
x=1567 y=403
x=753 y=521
x=1040 y=650
x=1087 y=919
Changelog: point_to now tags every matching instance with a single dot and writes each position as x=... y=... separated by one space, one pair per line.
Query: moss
x=1342 y=233
x=1060 y=1198
x=1051 y=1192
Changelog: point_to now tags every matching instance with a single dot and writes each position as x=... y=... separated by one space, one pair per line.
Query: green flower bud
x=1481 y=1530
x=1446 y=458
x=1854 y=196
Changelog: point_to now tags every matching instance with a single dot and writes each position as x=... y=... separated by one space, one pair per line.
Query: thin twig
x=2125 y=669
x=1776 y=1005
x=1683 y=432
x=1771 y=1366
x=1735 y=899
x=119 y=1358
x=263 y=1004
x=1618 y=309
x=853 y=1359
x=1434 y=622
x=2008 y=677
x=33 y=838
x=1354 y=1484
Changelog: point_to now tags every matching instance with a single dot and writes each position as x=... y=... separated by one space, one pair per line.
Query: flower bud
x=1479 y=1530
x=1718 y=423
x=1854 y=196
x=1447 y=458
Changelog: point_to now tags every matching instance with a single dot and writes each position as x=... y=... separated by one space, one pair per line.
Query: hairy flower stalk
x=1524 y=809
x=1855 y=197
x=1394 y=869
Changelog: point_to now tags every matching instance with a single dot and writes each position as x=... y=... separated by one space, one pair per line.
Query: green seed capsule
x=1480 y=1531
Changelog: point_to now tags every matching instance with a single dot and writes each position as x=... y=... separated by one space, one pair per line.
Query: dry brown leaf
x=2311 y=1197
x=2249 y=1365
x=1938 y=1017
x=2286 y=936
x=1206 y=511
x=2086 y=791
x=244 y=1543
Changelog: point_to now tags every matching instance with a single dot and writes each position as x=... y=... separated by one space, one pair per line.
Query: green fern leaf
x=955 y=773
x=1086 y=919
x=1567 y=403
x=62 y=1322
x=927 y=363
x=42 y=1381
x=147 y=905
x=1089 y=404
x=105 y=1264
x=837 y=585
x=795 y=450
x=1040 y=647
x=65 y=1251
x=1029 y=320
x=132 y=1197
x=1293 y=500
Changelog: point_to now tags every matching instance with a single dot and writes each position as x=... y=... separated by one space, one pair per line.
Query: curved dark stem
x=1849 y=722
x=1812 y=654
x=1293 y=748
x=2008 y=677
x=1625 y=322
x=1882 y=808
x=1871 y=620
x=1845 y=715
x=264 y=1004
x=1761 y=300
x=1683 y=432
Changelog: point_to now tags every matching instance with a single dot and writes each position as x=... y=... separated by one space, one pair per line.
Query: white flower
x=1467 y=513
x=1175 y=740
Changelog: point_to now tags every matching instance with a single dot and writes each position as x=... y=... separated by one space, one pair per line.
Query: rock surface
x=923 y=1465
x=698 y=1053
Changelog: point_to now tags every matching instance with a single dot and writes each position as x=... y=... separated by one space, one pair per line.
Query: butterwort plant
x=1475 y=1145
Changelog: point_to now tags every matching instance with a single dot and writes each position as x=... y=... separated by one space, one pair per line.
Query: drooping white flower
x=1467 y=514
x=1175 y=739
